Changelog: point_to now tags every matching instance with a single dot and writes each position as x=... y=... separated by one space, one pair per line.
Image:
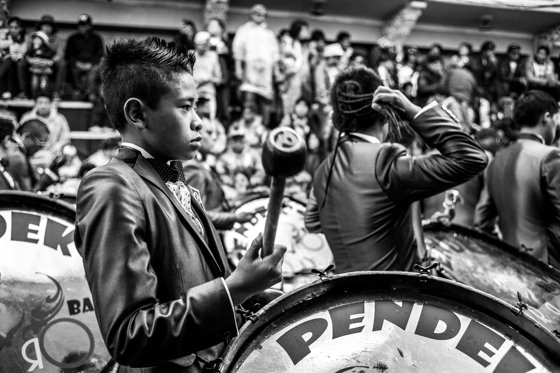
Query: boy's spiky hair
x=144 y=69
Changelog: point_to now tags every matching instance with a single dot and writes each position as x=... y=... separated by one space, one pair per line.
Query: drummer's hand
x=254 y=273
x=395 y=98
x=243 y=217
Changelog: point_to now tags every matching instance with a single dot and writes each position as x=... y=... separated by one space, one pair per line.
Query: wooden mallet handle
x=284 y=154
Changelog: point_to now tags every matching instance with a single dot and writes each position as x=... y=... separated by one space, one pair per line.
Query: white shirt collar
x=142 y=151
x=368 y=138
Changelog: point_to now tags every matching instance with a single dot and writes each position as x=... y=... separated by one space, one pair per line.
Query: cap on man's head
x=513 y=47
x=333 y=50
x=84 y=19
x=46 y=19
x=259 y=9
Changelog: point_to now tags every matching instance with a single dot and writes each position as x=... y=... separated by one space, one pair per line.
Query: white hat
x=41 y=35
x=201 y=37
x=333 y=50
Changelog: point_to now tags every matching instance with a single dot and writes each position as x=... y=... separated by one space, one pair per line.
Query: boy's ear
x=134 y=113
x=546 y=118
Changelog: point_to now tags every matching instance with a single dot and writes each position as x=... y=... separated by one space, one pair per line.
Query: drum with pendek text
x=47 y=319
x=306 y=251
x=390 y=322
x=496 y=268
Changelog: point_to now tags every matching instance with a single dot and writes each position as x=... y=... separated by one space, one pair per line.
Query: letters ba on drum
x=47 y=321
x=389 y=336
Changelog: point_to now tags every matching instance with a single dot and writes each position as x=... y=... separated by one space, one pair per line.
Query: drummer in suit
x=523 y=182
x=7 y=128
x=363 y=191
x=162 y=290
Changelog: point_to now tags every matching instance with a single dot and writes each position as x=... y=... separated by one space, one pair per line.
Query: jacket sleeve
x=485 y=213
x=138 y=328
x=311 y=218
x=550 y=174
x=408 y=178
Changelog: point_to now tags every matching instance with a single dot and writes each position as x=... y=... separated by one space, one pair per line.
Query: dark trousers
x=260 y=104
x=10 y=69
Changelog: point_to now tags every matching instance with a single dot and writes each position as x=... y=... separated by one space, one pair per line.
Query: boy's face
x=173 y=127
x=14 y=28
x=46 y=28
x=345 y=43
x=301 y=109
x=237 y=144
x=541 y=55
x=44 y=106
x=214 y=28
x=187 y=29
x=37 y=42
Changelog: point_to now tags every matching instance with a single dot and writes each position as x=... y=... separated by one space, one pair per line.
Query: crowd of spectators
x=42 y=60
x=256 y=79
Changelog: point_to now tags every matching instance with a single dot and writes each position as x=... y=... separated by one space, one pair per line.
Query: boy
x=153 y=260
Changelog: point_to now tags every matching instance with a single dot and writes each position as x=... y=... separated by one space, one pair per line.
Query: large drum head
x=306 y=251
x=390 y=322
x=494 y=267
x=47 y=319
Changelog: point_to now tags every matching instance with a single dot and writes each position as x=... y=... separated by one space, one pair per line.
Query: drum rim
x=262 y=194
x=44 y=204
x=550 y=270
x=490 y=307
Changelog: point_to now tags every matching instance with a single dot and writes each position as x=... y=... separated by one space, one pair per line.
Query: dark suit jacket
x=367 y=216
x=523 y=190
x=155 y=280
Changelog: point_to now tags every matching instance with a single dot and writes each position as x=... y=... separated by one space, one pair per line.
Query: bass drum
x=47 y=319
x=390 y=322
x=306 y=251
x=496 y=268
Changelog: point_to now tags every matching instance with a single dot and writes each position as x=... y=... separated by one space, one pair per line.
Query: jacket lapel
x=147 y=172
x=213 y=238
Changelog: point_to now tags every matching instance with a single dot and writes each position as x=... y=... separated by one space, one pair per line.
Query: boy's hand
x=254 y=273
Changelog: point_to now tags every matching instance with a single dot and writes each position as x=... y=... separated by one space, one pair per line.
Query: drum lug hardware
x=426 y=271
x=324 y=274
x=214 y=366
x=525 y=249
x=521 y=306
x=247 y=315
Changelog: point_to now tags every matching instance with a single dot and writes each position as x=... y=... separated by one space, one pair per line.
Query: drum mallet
x=284 y=154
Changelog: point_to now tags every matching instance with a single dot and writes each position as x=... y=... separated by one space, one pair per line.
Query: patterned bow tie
x=174 y=178
x=172 y=172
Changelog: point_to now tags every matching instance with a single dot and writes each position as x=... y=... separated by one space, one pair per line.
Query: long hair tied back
x=352 y=102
